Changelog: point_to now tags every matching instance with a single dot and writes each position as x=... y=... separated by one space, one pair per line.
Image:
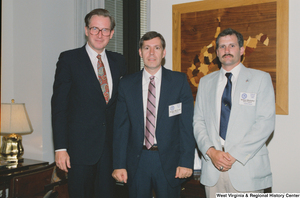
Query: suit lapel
x=244 y=79
x=137 y=94
x=88 y=70
x=114 y=72
x=165 y=92
x=212 y=89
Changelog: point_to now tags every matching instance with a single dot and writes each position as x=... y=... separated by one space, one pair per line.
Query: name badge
x=175 y=109
x=248 y=99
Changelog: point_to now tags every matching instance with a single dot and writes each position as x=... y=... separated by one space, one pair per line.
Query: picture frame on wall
x=263 y=24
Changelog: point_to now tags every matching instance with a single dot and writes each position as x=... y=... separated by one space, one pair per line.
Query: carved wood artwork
x=263 y=25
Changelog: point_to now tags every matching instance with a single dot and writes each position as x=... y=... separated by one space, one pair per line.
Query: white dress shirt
x=220 y=89
x=146 y=81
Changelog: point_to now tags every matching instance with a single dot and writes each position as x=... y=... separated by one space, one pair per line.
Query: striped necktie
x=150 y=114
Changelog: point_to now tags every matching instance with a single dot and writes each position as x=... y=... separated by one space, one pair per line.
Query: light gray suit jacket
x=248 y=130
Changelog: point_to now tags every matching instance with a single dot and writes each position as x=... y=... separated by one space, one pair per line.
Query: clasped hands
x=181 y=172
x=221 y=160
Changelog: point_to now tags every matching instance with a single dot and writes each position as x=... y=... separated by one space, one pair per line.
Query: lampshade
x=14 y=119
x=14 y=123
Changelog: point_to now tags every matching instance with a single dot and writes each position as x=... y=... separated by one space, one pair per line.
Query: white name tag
x=175 y=109
x=248 y=99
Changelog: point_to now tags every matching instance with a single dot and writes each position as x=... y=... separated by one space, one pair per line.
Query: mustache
x=227 y=55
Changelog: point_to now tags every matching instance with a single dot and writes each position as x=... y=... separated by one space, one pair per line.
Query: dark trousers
x=89 y=181
x=150 y=177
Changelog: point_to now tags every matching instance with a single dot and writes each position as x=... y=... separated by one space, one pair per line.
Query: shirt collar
x=235 y=71
x=157 y=75
x=92 y=53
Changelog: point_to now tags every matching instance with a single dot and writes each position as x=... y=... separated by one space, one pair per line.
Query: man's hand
x=220 y=159
x=182 y=172
x=120 y=175
x=232 y=159
x=62 y=160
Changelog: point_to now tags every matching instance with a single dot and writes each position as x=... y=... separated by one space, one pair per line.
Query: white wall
x=34 y=32
x=7 y=69
x=284 y=146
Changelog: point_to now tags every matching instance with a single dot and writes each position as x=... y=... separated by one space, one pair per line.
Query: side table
x=8 y=171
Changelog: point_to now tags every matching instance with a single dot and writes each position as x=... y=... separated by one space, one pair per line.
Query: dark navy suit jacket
x=81 y=119
x=174 y=134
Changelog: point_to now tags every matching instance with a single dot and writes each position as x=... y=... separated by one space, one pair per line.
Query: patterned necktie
x=225 y=107
x=150 y=114
x=102 y=78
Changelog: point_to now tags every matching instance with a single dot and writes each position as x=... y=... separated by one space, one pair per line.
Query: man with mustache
x=233 y=118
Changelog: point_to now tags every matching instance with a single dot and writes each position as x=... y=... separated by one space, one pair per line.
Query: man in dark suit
x=83 y=108
x=153 y=152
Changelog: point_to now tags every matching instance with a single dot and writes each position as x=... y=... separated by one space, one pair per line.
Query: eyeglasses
x=95 y=31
